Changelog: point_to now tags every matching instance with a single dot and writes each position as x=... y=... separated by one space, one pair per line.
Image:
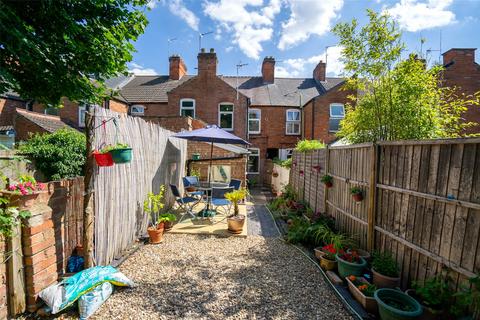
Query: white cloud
x=137 y=69
x=308 y=18
x=249 y=21
x=303 y=67
x=177 y=7
x=152 y=4
x=414 y=15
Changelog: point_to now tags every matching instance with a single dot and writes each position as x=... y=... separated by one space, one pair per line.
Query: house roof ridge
x=38 y=114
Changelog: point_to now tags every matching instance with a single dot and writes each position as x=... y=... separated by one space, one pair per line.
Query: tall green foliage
x=397 y=98
x=53 y=49
x=57 y=155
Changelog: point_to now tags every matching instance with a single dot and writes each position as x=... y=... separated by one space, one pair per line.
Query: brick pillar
x=40 y=259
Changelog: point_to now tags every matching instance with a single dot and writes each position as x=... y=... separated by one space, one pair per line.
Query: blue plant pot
x=389 y=302
x=121 y=155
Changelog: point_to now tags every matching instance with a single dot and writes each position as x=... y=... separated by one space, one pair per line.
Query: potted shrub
x=357 y=194
x=327 y=180
x=103 y=158
x=327 y=261
x=350 y=263
x=363 y=292
x=385 y=270
x=168 y=219
x=396 y=305
x=433 y=296
x=121 y=153
x=467 y=300
x=236 y=220
x=152 y=205
x=23 y=193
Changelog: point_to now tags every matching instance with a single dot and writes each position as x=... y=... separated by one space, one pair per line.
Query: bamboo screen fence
x=421 y=201
x=121 y=189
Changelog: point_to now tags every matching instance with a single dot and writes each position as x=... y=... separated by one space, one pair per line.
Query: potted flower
x=236 y=220
x=301 y=173
x=363 y=292
x=350 y=263
x=385 y=270
x=152 y=205
x=103 y=158
x=24 y=192
x=363 y=253
x=396 y=305
x=433 y=295
x=357 y=194
x=121 y=153
x=327 y=180
x=168 y=219
x=327 y=261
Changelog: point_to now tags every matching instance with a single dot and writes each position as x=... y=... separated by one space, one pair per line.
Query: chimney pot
x=268 y=69
x=207 y=63
x=459 y=55
x=212 y=50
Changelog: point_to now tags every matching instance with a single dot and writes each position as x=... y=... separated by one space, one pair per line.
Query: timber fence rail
x=121 y=189
x=421 y=201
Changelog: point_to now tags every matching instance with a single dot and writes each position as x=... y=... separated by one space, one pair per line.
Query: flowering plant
x=351 y=256
x=366 y=288
x=330 y=252
x=26 y=185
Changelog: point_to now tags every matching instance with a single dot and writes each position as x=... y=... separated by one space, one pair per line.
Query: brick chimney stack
x=460 y=56
x=177 y=67
x=268 y=69
x=320 y=71
x=207 y=63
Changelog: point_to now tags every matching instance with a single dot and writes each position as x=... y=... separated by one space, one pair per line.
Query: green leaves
x=10 y=217
x=309 y=145
x=54 y=49
x=57 y=155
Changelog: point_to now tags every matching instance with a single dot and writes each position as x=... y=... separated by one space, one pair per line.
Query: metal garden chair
x=219 y=200
x=185 y=203
x=192 y=181
x=235 y=183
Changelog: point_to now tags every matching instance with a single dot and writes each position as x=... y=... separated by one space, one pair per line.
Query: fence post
x=372 y=195
x=325 y=190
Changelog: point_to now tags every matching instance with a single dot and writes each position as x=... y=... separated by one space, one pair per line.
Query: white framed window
x=187 y=108
x=337 y=113
x=292 y=126
x=225 y=116
x=137 y=110
x=253 y=164
x=254 y=120
x=82 y=109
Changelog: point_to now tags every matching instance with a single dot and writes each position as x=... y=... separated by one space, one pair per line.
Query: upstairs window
x=137 y=110
x=337 y=113
x=254 y=120
x=293 y=122
x=225 y=116
x=187 y=108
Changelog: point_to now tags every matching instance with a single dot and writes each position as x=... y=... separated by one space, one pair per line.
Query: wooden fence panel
x=425 y=206
x=120 y=190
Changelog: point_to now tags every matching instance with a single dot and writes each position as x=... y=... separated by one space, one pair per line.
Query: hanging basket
x=121 y=155
x=103 y=159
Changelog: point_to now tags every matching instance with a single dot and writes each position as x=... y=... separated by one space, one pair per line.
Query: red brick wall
x=208 y=94
x=464 y=74
x=316 y=123
x=7 y=110
x=118 y=106
x=176 y=123
x=25 y=128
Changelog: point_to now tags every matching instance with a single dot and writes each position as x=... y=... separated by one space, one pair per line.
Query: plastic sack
x=91 y=301
x=75 y=264
x=60 y=296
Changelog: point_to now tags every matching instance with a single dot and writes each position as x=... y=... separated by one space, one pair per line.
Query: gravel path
x=207 y=277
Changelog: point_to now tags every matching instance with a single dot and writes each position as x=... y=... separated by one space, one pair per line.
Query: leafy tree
x=53 y=49
x=397 y=98
x=57 y=155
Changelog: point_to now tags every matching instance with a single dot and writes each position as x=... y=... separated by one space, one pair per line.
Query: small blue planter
x=121 y=155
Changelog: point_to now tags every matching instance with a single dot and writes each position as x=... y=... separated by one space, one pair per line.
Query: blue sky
x=295 y=32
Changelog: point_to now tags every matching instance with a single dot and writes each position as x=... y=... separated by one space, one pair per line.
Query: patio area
x=210 y=277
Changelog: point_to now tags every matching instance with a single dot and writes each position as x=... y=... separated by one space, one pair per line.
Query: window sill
x=254 y=133
x=292 y=134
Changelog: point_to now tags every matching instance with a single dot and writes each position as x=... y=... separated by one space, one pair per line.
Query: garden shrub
x=309 y=145
x=57 y=155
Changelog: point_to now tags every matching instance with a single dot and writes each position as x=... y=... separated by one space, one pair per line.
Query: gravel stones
x=208 y=277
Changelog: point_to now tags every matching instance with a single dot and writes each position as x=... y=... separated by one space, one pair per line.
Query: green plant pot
x=389 y=302
x=346 y=268
x=196 y=156
x=121 y=155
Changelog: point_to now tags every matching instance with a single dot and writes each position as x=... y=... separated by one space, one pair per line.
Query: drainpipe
x=248 y=109
x=313 y=119
x=302 y=118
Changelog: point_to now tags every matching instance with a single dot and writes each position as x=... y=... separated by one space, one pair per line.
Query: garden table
x=207 y=187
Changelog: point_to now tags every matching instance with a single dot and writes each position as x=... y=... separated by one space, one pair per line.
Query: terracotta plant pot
x=368 y=303
x=364 y=254
x=235 y=223
x=328 y=185
x=327 y=264
x=103 y=159
x=382 y=281
x=357 y=197
x=21 y=201
x=156 y=234
x=79 y=250
x=428 y=312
